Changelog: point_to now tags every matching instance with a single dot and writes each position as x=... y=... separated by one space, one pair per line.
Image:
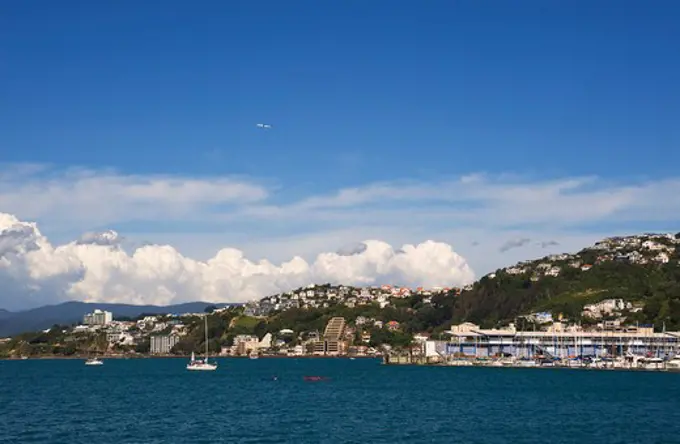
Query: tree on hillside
x=143 y=346
x=185 y=346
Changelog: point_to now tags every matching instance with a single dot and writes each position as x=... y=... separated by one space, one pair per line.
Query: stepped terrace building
x=332 y=342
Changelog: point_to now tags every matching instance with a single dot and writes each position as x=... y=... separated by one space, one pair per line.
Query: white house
x=98 y=317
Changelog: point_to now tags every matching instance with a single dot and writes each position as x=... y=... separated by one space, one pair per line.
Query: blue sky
x=359 y=93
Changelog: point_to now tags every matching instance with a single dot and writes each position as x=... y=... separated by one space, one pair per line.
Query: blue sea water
x=158 y=401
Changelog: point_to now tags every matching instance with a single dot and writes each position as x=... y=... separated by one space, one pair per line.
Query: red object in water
x=315 y=378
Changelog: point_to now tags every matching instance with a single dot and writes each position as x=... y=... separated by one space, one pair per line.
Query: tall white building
x=161 y=345
x=98 y=317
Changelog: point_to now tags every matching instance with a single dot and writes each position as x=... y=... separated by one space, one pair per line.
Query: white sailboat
x=202 y=364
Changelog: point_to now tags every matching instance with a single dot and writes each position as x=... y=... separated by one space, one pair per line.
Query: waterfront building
x=469 y=340
x=98 y=317
x=162 y=344
x=244 y=344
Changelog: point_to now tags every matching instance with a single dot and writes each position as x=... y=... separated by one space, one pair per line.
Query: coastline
x=539 y=367
x=84 y=357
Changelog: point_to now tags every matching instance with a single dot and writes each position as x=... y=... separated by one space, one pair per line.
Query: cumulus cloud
x=96 y=268
x=514 y=243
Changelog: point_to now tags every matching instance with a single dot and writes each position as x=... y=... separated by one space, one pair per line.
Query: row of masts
x=573 y=345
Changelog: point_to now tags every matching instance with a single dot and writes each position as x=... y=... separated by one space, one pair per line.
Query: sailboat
x=202 y=364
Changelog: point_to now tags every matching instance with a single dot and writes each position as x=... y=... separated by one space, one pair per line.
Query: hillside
x=639 y=276
x=643 y=270
x=69 y=312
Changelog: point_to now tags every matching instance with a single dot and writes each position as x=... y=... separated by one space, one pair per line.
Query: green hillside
x=655 y=286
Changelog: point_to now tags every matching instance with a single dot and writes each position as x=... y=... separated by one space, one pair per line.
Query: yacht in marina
x=673 y=364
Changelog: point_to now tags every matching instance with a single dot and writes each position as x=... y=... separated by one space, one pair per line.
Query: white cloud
x=82 y=196
x=478 y=213
x=90 y=198
x=96 y=268
x=506 y=201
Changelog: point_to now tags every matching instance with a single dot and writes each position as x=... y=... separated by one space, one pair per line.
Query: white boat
x=202 y=364
x=651 y=363
x=674 y=364
x=509 y=361
x=94 y=361
x=254 y=354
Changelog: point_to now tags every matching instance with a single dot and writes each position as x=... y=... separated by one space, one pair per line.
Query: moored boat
x=202 y=364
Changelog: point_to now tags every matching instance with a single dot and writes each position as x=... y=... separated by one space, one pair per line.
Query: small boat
x=315 y=378
x=254 y=355
x=202 y=364
x=94 y=361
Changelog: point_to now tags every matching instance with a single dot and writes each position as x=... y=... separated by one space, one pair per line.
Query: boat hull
x=202 y=367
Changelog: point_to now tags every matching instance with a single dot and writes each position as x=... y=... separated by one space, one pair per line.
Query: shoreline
x=538 y=367
x=662 y=369
x=57 y=357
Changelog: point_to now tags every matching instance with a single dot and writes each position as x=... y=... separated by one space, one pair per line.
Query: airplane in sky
x=264 y=125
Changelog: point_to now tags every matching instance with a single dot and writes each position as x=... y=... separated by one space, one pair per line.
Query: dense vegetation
x=55 y=342
x=503 y=298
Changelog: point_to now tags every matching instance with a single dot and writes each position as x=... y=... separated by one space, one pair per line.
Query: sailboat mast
x=206 y=337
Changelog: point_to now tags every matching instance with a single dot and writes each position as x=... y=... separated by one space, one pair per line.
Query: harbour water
x=268 y=401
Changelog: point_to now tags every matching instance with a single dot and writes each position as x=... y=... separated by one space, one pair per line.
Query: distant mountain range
x=12 y=323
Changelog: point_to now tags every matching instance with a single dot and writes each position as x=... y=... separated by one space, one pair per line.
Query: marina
x=468 y=345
